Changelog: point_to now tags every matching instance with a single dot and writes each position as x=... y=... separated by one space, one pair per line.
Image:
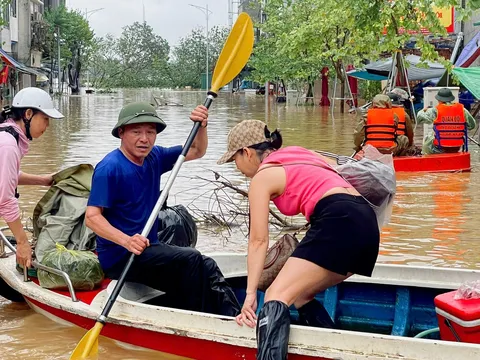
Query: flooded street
x=433 y=221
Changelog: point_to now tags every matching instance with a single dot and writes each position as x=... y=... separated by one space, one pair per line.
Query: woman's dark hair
x=16 y=114
x=275 y=142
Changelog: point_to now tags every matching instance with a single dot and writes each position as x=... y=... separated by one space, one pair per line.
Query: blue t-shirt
x=127 y=193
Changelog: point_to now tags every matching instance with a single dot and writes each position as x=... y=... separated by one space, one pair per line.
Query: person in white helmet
x=25 y=120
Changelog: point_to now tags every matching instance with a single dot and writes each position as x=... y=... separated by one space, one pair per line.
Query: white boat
x=397 y=300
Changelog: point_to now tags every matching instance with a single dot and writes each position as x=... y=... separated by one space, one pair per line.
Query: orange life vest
x=450 y=126
x=380 y=128
x=402 y=123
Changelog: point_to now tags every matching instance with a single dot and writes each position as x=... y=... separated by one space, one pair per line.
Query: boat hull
x=457 y=162
x=211 y=337
x=174 y=344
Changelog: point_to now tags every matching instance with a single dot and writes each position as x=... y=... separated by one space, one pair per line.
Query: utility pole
x=58 y=61
x=87 y=16
x=207 y=14
x=230 y=13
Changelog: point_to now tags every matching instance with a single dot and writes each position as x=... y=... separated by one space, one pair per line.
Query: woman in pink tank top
x=28 y=118
x=343 y=238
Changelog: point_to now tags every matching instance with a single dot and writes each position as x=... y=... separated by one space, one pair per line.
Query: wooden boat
x=455 y=162
x=377 y=317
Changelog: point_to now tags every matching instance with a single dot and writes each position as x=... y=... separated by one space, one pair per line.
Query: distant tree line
x=138 y=58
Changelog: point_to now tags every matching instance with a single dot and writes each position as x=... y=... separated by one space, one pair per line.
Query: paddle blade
x=88 y=346
x=235 y=52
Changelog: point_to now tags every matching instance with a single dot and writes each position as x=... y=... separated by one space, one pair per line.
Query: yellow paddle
x=234 y=56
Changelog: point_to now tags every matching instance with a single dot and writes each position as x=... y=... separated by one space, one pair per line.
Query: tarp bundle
x=82 y=267
x=59 y=216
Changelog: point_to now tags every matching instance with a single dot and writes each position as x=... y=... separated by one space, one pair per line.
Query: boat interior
x=367 y=307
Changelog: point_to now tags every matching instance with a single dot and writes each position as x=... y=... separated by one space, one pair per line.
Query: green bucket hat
x=445 y=95
x=138 y=113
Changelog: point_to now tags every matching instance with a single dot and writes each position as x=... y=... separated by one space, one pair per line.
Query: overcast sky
x=171 y=19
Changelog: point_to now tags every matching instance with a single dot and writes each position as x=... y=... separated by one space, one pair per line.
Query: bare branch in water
x=225 y=210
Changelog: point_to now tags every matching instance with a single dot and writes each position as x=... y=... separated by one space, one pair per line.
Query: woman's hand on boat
x=248 y=315
x=200 y=114
x=137 y=243
x=24 y=253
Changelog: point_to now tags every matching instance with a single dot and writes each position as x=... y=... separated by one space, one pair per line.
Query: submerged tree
x=300 y=37
x=144 y=56
x=190 y=55
x=105 y=67
x=69 y=29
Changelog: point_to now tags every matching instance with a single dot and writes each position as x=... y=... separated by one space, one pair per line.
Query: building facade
x=21 y=37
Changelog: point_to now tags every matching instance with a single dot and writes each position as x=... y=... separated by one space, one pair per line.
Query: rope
x=427 y=332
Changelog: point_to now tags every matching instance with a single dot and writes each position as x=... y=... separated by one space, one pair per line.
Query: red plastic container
x=458 y=320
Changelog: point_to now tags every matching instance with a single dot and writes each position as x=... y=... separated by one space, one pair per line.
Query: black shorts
x=344 y=236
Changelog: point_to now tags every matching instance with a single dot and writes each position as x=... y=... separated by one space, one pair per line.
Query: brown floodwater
x=433 y=221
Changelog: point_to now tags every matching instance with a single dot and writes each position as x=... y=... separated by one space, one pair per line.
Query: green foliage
x=4 y=11
x=475 y=4
x=368 y=89
x=189 y=56
x=300 y=37
x=105 y=66
x=141 y=58
x=75 y=32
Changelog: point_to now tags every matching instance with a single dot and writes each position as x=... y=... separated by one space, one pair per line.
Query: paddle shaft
x=153 y=216
x=474 y=141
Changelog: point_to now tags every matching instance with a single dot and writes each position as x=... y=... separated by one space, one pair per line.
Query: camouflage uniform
x=404 y=144
x=428 y=116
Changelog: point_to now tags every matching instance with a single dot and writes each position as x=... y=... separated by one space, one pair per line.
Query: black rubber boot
x=314 y=314
x=273 y=330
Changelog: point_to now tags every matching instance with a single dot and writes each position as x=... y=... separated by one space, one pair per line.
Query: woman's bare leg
x=298 y=282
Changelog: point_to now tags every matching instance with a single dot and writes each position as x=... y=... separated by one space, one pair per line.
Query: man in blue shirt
x=125 y=188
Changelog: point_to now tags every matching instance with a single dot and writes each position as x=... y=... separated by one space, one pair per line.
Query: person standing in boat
x=125 y=189
x=27 y=119
x=381 y=127
x=447 y=115
x=343 y=238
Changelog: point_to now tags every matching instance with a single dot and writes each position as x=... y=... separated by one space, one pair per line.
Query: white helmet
x=35 y=98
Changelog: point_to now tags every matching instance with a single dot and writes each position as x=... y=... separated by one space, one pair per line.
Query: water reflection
x=433 y=220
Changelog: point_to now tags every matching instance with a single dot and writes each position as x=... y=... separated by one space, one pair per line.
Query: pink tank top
x=306 y=184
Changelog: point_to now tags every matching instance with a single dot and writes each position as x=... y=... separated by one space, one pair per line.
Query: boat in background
x=454 y=162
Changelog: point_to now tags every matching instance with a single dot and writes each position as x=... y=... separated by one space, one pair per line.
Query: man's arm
x=95 y=220
x=409 y=129
x=471 y=122
x=427 y=116
x=359 y=134
x=200 y=144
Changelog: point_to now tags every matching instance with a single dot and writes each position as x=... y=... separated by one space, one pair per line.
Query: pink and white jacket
x=11 y=155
